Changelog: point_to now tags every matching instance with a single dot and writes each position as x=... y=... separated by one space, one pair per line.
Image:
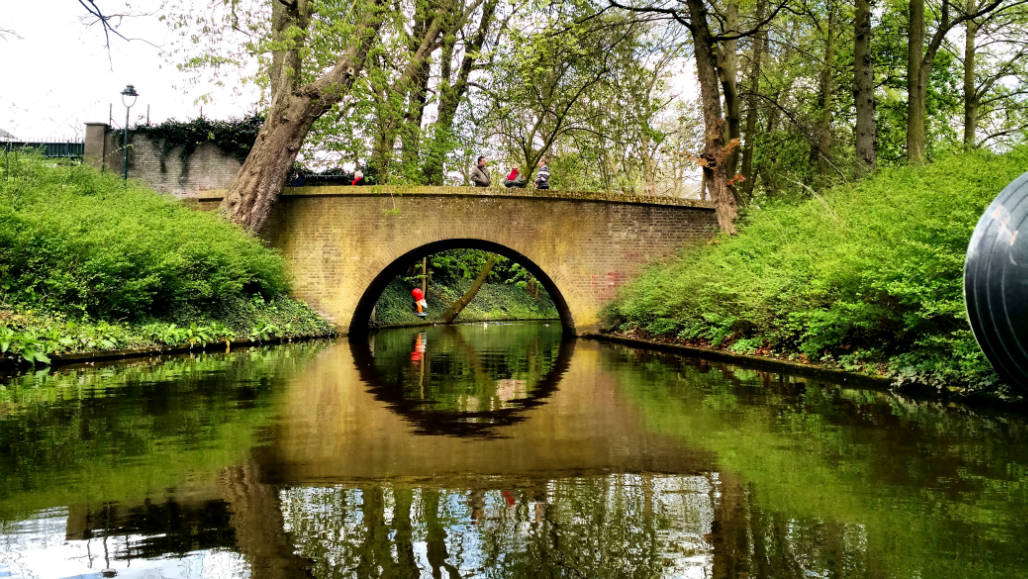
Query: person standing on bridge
x=542 y=178
x=479 y=175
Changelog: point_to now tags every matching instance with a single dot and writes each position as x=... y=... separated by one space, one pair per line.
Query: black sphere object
x=996 y=283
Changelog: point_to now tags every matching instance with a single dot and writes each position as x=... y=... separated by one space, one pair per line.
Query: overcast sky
x=56 y=75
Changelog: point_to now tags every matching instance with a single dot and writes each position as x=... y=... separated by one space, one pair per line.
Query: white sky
x=56 y=76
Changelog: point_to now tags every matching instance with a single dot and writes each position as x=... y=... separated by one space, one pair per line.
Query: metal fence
x=50 y=150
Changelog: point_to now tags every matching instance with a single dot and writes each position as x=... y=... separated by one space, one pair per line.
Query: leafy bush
x=88 y=264
x=79 y=242
x=869 y=276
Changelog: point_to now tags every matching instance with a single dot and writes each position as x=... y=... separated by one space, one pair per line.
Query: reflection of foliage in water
x=844 y=478
x=467 y=368
x=121 y=431
x=612 y=526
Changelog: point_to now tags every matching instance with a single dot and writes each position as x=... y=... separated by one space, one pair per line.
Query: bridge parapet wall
x=341 y=241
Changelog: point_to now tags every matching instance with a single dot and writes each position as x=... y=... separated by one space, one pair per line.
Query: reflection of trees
x=619 y=525
x=843 y=481
x=121 y=432
x=478 y=381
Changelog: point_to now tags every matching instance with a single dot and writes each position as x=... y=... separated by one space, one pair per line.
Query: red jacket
x=513 y=175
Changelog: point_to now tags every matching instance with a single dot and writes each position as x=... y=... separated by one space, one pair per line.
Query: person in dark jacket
x=479 y=175
x=513 y=179
x=542 y=178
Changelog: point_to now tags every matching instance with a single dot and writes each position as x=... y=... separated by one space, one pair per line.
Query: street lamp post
x=128 y=98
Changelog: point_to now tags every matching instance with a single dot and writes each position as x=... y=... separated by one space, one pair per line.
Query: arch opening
x=359 y=324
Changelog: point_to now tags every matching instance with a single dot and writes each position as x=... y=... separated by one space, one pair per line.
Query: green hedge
x=78 y=242
x=868 y=276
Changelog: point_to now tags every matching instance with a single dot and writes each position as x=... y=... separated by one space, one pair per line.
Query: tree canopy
x=731 y=100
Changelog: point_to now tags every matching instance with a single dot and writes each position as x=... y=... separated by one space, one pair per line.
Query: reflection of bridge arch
x=366 y=303
x=480 y=423
x=341 y=242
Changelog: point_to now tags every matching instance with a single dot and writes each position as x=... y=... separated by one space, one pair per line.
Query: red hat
x=417 y=293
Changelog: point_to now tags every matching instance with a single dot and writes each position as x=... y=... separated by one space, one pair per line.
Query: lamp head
x=128 y=96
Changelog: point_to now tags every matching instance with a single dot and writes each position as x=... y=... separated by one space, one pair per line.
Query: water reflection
x=606 y=526
x=474 y=379
x=344 y=460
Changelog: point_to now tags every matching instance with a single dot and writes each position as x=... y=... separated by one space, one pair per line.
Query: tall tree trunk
x=451 y=93
x=917 y=88
x=917 y=84
x=410 y=134
x=752 y=106
x=970 y=91
x=729 y=71
x=827 y=75
x=263 y=174
x=863 y=91
x=293 y=111
x=458 y=306
x=713 y=122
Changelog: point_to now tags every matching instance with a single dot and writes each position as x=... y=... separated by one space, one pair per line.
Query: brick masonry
x=204 y=169
x=344 y=244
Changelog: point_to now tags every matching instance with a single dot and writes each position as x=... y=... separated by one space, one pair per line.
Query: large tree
x=921 y=58
x=715 y=71
x=866 y=133
x=301 y=91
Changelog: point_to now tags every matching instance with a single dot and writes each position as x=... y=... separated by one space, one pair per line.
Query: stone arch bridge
x=344 y=244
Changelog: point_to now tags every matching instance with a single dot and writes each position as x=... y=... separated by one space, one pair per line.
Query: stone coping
x=481 y=192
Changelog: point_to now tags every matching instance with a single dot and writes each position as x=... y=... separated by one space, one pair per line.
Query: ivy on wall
x=233 y=137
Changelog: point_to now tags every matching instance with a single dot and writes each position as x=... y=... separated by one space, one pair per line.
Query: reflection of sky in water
x=38 y=548
x=620 y=524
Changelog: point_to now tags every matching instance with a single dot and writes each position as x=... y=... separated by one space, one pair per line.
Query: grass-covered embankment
x=494 y=301
x=88 y=264
x=867 y=276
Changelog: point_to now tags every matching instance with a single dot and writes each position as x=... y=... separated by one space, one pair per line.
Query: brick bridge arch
x=344 y=244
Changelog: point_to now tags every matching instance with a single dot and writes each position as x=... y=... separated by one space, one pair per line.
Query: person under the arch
x=419 y=301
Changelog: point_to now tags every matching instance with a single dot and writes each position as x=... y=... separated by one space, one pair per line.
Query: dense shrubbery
x=868 y=276
x=83 y=257
x=78 y=242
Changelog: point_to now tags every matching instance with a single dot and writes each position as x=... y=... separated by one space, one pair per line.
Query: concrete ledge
x=759 y=362
x=983 y=400
x=73 y=358
x=216 y=195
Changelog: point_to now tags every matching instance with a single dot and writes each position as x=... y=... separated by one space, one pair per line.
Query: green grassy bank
x=88 y=264
x=867 y=276
x=494 y=301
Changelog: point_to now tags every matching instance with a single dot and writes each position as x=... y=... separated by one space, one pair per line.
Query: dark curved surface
x=996 y=283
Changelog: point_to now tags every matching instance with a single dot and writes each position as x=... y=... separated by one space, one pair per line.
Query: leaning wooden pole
x=458 y=306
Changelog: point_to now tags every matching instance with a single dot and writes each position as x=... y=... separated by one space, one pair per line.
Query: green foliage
x=494 y=301
x=868 y=276
x=233 y=137
x=78 y=242
x=88 y=264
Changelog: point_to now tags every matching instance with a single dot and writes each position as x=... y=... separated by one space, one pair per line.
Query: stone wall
x=205 y=169
x=344 y=244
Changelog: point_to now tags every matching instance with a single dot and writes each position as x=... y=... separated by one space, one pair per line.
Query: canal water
x=496 y=450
